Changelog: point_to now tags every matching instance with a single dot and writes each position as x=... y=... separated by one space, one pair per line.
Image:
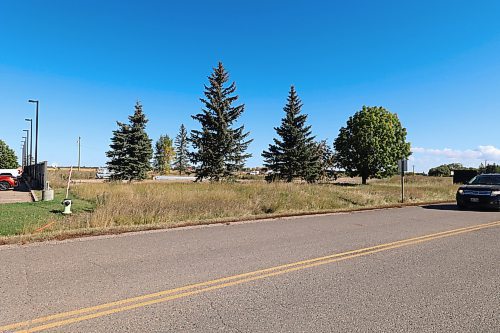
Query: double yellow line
x=70 y=317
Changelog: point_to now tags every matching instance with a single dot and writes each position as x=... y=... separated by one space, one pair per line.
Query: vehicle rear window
x=485 y=180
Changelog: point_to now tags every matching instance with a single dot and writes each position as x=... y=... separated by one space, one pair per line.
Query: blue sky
x=434 y=63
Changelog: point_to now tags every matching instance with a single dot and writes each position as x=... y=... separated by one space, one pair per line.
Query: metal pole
x=27 y=151
x=79 y=140
x=23 y=156
x=402 y=165
x=402 y=186
x=24 y=150
x=36 y=137
x=36 y=129
x=31 y=141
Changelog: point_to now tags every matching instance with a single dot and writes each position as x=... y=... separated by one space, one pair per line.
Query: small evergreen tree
x=294 y=153
x=164 y=154
x=131 y=149
x=118 y=155
x=8 y=158
x=219 y=147
x=181 y=162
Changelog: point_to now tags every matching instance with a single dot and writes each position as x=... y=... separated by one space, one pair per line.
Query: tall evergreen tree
x=8 y=158
x=181 y=162
x=294 y=153
x=219 y=147
x=131 y=149
x=164 y=154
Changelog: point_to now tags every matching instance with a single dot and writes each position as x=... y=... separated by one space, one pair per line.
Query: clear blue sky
x=435 y=63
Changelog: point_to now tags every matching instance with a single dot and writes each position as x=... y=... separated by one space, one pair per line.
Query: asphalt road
x=288 y=275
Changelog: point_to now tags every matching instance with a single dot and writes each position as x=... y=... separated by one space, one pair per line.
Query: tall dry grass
x=58 y=178
x=180 y=203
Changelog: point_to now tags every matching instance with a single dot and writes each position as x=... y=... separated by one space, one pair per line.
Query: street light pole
x=27 y=137
x=36 y=130
x=24 y=150
x=31 y=139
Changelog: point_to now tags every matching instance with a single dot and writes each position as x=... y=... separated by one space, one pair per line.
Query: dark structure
x=463 y=176
x=36 y=175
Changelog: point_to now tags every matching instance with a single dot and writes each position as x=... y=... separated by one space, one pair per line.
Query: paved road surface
x=440 y=282
x=19 y=194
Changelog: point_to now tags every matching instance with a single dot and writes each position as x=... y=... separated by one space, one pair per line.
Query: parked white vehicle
x=13 y=172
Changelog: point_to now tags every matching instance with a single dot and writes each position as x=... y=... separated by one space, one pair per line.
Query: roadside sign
x=402 y=165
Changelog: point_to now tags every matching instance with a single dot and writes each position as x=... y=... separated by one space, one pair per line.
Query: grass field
x=114 y=207
x=26 y=217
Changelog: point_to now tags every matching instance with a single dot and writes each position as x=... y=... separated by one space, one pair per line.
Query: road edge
x=130 y=230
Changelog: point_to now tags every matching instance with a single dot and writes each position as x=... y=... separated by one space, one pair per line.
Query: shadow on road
x=442 y=207
x=22 y=187
x=454 y=207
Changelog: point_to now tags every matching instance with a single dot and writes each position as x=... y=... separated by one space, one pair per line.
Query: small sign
x=402 y=165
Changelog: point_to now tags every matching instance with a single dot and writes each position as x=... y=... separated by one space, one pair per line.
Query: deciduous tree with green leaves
x=8 y=158
x=181 y=162
x=294 y=154
x=164 y=155
x=371 y=144
x=326 y=160
x=131 y=149
x=219 y=146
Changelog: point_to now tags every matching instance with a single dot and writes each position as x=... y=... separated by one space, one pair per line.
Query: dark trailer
x=463 y=176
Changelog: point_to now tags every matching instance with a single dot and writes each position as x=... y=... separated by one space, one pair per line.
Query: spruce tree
x=118 y=156
x=131 y=149
x=294 y=153
x=164 y=154
x=181 y=161
x=219 y=146
x=8 y=158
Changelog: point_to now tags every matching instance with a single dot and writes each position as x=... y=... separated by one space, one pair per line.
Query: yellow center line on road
x=176 y=293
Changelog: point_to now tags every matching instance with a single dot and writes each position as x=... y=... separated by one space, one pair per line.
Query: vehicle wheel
x=4 y=186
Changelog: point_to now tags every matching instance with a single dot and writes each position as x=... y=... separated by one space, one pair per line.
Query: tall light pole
x=22 y=155
x=27 y=151
x=24 y=150
x=36 y=129
x=31 y=139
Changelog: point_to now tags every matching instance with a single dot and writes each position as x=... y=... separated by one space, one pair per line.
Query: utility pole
x=79 y=151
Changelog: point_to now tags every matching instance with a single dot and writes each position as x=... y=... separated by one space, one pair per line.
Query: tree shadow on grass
x=346 y=184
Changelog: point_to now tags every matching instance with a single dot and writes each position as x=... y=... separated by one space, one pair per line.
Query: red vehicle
x=7 y=182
